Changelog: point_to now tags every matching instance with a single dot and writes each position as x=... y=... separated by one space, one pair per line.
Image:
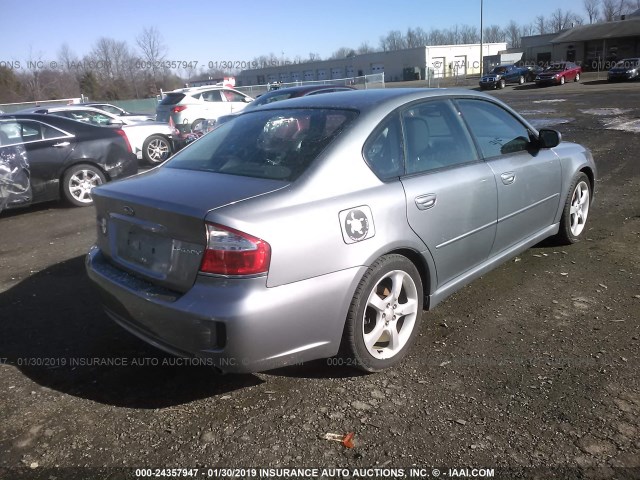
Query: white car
x=153 y=142
x=188 y=107
x=121 y=112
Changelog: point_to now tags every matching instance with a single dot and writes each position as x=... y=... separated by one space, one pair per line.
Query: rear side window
x=211 y=96
x=383 y=151
x=172 y=98
x=272 y=144
x=496 y=131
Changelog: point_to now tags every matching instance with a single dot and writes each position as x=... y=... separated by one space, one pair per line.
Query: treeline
x=114 y=70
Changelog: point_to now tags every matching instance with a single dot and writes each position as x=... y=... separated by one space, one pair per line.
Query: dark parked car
x=46 y=157
x=276 y=95
x=627 y=69
x=559 y=74
x=325 y=224
x=503 y=74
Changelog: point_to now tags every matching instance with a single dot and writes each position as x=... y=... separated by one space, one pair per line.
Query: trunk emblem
x=128 y=211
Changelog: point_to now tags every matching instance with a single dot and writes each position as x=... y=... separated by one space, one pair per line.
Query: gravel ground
x=532 y=371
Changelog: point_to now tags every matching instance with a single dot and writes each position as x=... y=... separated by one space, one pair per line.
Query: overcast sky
x=212 y=31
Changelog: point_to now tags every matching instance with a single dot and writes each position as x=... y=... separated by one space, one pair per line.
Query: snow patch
x=605 y=112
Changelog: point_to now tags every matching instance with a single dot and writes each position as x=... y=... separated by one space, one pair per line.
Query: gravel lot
x=532 y=370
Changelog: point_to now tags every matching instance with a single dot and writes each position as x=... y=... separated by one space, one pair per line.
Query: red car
x=559 y=73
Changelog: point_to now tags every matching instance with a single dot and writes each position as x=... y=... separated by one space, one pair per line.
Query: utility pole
x=481 y=37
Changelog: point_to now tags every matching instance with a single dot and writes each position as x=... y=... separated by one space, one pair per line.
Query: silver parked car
x=325 y=224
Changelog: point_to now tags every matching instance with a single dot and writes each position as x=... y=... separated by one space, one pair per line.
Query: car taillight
x=178 y=108
x=126 y=140
x=231 y=252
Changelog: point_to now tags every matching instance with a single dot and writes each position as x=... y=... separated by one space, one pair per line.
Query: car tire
x=521 y=80
x=78 y=181
x=576 y=211
x=156 y=149
x=502 y=84
x=384 y=316
x=577 y=79
x=561 y=80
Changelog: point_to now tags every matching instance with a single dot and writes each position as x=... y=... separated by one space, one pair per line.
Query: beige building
x=398 y=65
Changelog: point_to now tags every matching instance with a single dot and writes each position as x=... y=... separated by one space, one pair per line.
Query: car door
x=236 y=100
x=450 y=192
x=528 y=179
x=214 y=104
x=47 y=148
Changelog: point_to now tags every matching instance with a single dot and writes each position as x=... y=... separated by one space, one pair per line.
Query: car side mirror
x=549 y=138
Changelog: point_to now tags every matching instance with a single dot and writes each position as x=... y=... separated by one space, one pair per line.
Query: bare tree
x=342 y=52
x=592 y=8
x=513 y=34
x=541 y=24
x=153 y=49
x=394 y=40
x=469 y=34
x=364 y=48
x=614 y=9
x=559 y=20
x=494 y=34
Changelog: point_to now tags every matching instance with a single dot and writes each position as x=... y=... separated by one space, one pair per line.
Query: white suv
x=187 y=107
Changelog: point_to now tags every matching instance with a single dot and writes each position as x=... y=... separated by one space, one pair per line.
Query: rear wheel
x=78 y=181
x=156 y=149
x=577 y=79
x=384 y=315
x=576 y=210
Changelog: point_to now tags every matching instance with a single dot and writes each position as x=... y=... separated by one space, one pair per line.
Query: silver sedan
x=324 y=225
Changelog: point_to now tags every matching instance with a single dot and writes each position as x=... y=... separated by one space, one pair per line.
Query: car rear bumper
x=238 y=325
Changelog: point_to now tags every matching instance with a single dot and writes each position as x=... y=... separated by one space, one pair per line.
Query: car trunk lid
x=155 y=231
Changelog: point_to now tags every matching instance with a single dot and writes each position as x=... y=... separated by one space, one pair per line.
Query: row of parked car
x=555 y=74
x=65 y=151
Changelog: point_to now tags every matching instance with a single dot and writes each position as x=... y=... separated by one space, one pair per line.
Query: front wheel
x=521 y=80
x=78 y=182
x=561 y=80
x=384 y=315
x=576 y=210
x=156 y=149
x=502 y=84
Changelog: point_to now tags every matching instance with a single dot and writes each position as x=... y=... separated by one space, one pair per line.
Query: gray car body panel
x=297 y=311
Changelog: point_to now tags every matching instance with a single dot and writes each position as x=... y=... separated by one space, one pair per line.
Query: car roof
x=196 y=89
x=64 y=108
x=55 y=120
x=309 y=88
x=373 y=99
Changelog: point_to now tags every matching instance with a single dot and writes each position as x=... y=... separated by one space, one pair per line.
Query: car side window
x=51 y=132
x=383 y=151
x=231 y=96
x=30 y=131
x=211 y=96
x=496 y=131
x=435 y=138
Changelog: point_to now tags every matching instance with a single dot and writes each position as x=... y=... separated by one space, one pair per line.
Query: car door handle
x=62 y=144
x=508 y=178
x=424 y=202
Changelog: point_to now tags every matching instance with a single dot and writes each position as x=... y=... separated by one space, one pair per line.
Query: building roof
x=599 y=31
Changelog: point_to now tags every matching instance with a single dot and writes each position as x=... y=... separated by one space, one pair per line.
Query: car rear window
x=172 y=98
x=271 y=144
